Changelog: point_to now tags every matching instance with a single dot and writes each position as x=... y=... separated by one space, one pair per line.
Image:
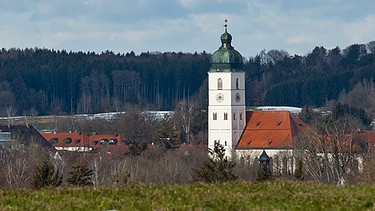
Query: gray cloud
x=185 y=25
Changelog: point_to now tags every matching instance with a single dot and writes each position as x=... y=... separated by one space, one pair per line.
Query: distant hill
x=43 y=81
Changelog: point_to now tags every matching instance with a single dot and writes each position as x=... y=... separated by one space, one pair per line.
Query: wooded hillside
x=43 y=81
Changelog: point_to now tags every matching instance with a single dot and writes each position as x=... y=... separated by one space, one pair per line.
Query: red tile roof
x=72 y=141
x=111 y=140
x=368 y=136
x=67 y=139
x=270 y=130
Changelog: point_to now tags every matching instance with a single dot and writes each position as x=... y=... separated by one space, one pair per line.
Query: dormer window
x=103 y=141
x=125 y=142
x=112 y=141
x=219 y=84
x=53 y=140
x=67 y=140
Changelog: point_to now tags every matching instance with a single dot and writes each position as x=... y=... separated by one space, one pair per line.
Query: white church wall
x=282 y=160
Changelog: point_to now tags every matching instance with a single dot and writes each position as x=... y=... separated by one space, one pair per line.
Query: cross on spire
x=225 y=24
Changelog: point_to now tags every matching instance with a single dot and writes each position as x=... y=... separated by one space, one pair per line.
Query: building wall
x=226 y=110
x=4 y=138
x=282 y=161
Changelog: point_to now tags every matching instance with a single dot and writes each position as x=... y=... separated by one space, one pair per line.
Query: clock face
x=238 y=97
x=219 y=97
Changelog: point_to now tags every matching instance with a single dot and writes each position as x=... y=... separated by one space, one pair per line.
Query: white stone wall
x=282 y=160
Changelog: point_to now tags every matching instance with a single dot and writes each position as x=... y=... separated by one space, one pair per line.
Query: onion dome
x=264 y=157
x=226 y=58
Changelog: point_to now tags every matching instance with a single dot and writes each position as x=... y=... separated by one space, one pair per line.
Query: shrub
x=46 y=176
x=217 y=168
x=298 y=175
x=263 y=173
x=80 y=176
x=137 y=148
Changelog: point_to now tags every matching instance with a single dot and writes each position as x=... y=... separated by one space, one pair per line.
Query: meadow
x=239 y=195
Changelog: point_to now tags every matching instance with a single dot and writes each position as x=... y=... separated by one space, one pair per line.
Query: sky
x=121 y=26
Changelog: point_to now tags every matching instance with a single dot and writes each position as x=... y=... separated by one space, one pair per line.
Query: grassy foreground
x=276 y=195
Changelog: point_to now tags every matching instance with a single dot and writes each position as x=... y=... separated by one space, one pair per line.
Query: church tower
x=226 y=96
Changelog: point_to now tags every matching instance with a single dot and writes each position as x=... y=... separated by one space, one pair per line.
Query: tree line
x=59 y=82
x=44 y=81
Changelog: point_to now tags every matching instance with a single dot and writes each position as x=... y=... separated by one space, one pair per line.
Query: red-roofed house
x=273 y=131
x=80 y=142
x=68 y=141
x=109 y=142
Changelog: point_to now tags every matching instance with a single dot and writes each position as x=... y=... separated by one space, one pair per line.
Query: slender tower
x=226 y=96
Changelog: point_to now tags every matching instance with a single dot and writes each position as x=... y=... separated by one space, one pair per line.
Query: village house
x=79 y=142
x=21 y=135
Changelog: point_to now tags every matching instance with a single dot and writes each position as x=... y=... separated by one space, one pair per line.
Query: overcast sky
x=121 y=26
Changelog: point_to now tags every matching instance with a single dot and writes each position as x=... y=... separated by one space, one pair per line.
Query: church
x=245 y=134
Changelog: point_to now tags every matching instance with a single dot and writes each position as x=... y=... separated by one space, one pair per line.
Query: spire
x=225 y=25
x=226 y=54
x=226 y=38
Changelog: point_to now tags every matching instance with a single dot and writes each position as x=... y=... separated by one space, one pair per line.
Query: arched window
x=225 y=116
x=237 y=85
x=214 y=116
x=219 y=84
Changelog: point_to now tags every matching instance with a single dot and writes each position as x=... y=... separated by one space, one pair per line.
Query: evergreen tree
x=80 y=176
x=46 y=176
x=137 y=148
x=217 y=168
x=298 y=175
x=165 y=129
x=263 y=173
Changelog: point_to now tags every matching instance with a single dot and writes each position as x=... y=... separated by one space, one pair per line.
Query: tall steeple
x=226 y=93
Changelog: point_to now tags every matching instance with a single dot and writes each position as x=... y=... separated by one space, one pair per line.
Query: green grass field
x=276 y=195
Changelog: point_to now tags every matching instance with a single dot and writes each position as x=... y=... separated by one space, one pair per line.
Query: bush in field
x=217 y=168
x=137 y=148
x=81 y=176
x=263 y=173
x=298 y=175
x=46 y=176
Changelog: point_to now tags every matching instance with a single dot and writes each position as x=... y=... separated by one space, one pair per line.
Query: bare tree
x=19 y=163
x=185 y=114
x=361 y=96
x=7 y=98
x=11 y=112
x=17 y=173
x=136 y=125
x=327 y=149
